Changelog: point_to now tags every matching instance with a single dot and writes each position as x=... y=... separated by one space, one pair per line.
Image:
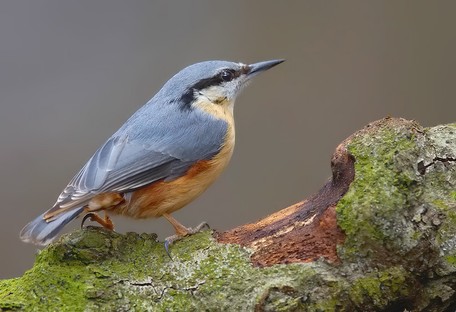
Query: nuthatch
x=162 y=158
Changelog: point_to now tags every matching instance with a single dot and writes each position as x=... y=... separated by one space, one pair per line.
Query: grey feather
x=148 y=151
x=159 y=142
x=41 y=232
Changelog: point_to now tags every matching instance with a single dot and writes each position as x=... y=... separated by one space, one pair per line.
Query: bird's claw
x=105 y=222
x=87 y=216
x=199 y=227
x=168 y=241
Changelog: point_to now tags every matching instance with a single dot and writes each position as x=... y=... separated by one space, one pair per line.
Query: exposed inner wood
x=302 y=232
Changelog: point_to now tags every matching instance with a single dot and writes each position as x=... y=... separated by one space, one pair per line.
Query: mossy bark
x=397 y=250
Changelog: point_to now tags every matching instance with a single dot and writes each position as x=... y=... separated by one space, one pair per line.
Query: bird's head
x=214 y=82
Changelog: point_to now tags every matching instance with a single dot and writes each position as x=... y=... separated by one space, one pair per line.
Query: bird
x=162 y=158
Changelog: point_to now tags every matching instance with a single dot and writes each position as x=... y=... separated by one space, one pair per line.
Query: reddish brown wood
x=302 y=232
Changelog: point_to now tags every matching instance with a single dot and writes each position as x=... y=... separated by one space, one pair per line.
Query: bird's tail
x=43 y=232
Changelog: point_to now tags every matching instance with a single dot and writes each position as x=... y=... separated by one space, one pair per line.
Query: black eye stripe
x=208 y=82
x=215 y=80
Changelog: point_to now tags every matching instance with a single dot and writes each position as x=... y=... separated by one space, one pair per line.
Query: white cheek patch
x=226 y=91
x=214 y=94
x=233 y=88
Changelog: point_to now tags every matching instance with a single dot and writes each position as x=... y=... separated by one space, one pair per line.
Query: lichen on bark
x=94 y=269
x=398 y=219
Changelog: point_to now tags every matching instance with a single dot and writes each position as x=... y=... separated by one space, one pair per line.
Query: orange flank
x=166 y=197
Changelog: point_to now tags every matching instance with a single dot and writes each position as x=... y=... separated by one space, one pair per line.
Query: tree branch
x=379 y=236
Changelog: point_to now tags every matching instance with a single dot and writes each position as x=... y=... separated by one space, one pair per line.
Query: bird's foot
x=184 y=231
x=105 y=222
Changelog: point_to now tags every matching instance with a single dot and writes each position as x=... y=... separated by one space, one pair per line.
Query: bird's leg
x=105 y=222
x=181 y=230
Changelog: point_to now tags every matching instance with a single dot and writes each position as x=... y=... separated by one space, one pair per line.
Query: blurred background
x=71 y=72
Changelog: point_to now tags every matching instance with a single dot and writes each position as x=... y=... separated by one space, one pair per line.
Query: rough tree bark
x=379 y=236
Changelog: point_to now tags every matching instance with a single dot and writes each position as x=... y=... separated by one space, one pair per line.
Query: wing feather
x=142 y=152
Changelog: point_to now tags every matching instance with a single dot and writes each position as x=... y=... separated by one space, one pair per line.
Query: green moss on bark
x=399 y=217
x=377 y=290
x=392 y=208
x=96 y=269
x=368 y=213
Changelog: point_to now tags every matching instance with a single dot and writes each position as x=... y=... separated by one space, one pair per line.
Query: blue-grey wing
x=146 y=149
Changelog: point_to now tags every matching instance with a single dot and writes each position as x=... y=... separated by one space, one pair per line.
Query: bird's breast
x=168 y=196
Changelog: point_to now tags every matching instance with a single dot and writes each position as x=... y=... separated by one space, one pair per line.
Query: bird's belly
x=166 y=197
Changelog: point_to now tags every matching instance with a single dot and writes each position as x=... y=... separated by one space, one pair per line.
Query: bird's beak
x=255 y=69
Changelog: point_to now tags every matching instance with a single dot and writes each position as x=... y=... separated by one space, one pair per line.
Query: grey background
x=72 y=71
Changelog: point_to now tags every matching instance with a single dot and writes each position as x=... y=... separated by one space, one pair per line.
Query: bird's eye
x=226 y=75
